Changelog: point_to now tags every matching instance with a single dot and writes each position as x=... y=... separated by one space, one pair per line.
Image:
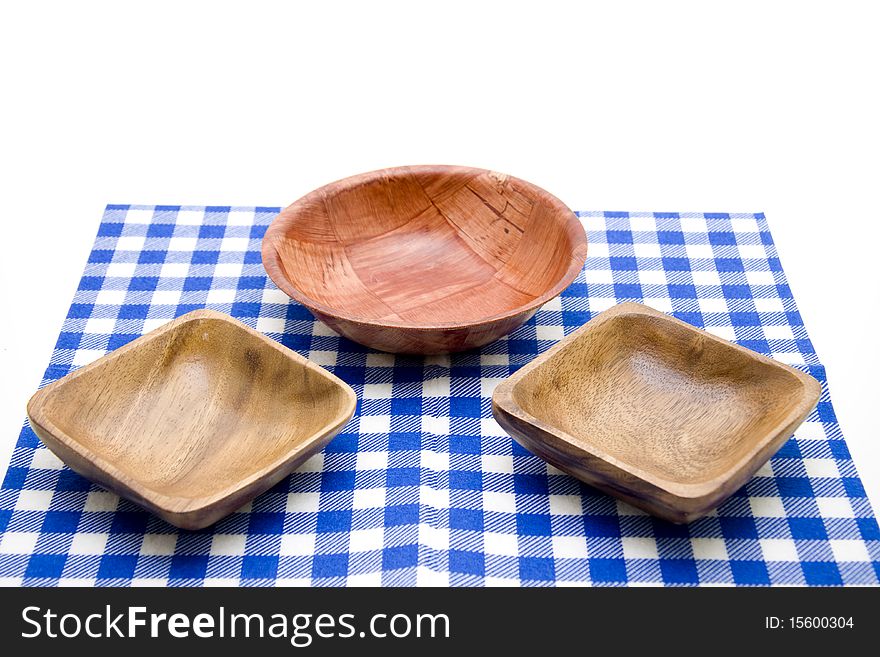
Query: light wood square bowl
x=425 y=259
x=654 y=411
x=193 y=419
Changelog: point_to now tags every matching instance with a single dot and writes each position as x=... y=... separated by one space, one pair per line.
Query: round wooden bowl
x=425 y=259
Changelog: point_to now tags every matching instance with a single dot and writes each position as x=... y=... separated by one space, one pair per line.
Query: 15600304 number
x=820 y=622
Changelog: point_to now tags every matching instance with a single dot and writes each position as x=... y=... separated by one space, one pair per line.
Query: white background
x=672 y=106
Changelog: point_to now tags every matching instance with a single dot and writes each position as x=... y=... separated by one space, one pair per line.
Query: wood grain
x=425 y=259
x=652 y=410
x=193 y=419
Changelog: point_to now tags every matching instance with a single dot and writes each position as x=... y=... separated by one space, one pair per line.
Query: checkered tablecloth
x=422 y=486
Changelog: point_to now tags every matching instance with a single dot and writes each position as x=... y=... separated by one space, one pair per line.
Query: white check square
x=185 y=244
x=152 y=323
x=366 y=540
x=121 y=269
x=88 y=543
x=598 y=304
x=436 y=538
x=489 y=427
x=820 y=468
x=377 y=391
x=598 y=250
x=488 y=385
x=323 y=358
x=296 y=545
x=778 y=333
x=767 y=507
x=725 y=332
x=709 y=548
x=264 y=324
x=501 y=544
x=652 y=277
x=18 y=542
x=380 y=360
x=647 y=250
x=500 y=502
x=773 y=305
x=835 y=507
x=321 y=329
x=228 y=269
x=643 y=224
x=554 y=304
x=570 y=547
x=276 y=296
x=139 y=216
x=566 y=505
x=190 y=217
x=167 y=297
x=639 y=547
x=428 y=577
x=744 y=225
x=437 y=461
x=174 y=270
x=849 y=550
x=695 y=224
x=34 y=500
x=86 y=356
x=712 y=305
x=372 y=460
x=553 y=333
x=312 y=464
x=601 y=277
x=44 y=459
x=100 y=326
x=110 y=297
x=752 y=251
x=439 y=426
x=778 y=549
x=699 y=251
x=502 y=463
x=160 y=544
x=303 y=502
x=760 y=278
x=368 y=498
x=811 y=430
x=709 y=277
x=437 y=498
x=238 y=217
x=234 y=244
x=375 y=423
x=99 y=500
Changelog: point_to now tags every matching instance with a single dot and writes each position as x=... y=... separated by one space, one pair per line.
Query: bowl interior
x=426 y=245
x=196 y=408
x=659 y=396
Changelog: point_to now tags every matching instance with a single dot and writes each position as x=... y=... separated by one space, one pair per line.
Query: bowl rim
x=272 y=261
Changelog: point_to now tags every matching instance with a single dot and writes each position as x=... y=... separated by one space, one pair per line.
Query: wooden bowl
x=193 y=419
x=654 y=411
x=425 y=259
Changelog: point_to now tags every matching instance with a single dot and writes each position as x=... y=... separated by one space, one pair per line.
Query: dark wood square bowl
x=425 y=259
x=654 y=411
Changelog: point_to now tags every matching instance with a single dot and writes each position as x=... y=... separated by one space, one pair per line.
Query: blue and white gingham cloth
x=422 y=486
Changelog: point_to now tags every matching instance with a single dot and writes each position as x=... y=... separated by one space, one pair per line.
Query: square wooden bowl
x=654 y=411
x=193 y=419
